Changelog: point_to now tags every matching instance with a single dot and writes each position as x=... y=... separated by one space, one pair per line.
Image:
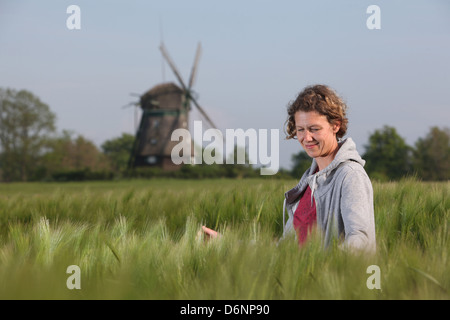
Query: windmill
x=165 y=107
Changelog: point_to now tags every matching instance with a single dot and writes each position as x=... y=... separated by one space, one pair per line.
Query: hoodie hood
x=347 y=152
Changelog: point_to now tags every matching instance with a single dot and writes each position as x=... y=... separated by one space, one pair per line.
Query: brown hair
x=323 y=100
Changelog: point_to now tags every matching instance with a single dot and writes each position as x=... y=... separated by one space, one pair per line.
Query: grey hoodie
x=344 y=200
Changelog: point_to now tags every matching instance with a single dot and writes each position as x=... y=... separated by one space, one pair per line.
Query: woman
x=334 y=194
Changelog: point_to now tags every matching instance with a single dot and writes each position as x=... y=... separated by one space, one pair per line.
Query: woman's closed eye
x=310 y=130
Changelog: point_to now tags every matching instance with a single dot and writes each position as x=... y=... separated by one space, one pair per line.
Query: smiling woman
x=318 y=118
x=334 y=194
x=317 y=136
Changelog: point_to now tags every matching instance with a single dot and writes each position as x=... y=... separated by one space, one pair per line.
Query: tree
x=118 y=151
x=387 y=155
x=431 y=158
x=301 y=163
x=73 y=153
x=25 y=125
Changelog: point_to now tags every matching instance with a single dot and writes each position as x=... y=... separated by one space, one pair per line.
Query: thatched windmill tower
x=165 y=107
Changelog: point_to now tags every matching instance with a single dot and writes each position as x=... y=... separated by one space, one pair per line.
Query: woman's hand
x=210 y=233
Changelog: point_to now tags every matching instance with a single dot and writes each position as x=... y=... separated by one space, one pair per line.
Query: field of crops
x=139 y=240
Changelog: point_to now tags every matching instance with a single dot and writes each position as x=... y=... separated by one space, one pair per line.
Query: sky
x=256 y=57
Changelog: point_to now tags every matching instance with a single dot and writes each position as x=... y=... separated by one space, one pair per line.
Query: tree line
x=32 y=150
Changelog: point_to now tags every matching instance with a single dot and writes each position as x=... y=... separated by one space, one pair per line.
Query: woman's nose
x=307 y=136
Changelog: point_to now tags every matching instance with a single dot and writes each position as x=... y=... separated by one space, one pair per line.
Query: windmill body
x=164 y=109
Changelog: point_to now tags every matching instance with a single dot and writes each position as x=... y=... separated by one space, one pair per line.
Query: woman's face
x=316 y=135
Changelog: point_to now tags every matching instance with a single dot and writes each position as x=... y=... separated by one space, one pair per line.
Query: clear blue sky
x=257 y=55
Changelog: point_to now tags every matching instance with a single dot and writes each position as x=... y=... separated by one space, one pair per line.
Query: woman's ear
x=336 y=126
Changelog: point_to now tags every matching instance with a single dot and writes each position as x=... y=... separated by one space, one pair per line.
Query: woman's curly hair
x=323 y=100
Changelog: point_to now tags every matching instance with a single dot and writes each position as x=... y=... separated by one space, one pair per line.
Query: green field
x=138 y=240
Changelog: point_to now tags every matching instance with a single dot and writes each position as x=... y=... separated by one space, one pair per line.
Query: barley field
x=139 y=239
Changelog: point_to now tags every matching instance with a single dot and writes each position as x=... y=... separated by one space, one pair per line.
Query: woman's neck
x=323 y=162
